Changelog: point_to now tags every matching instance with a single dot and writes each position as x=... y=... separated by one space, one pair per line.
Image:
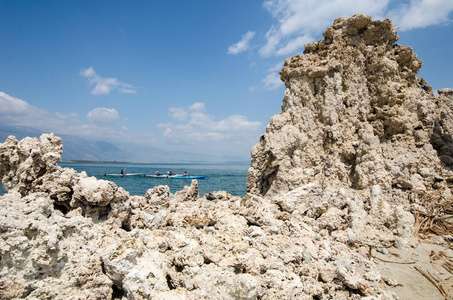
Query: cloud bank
x=193 y=128
x=104 y=86
x=101 y=123
x=17 y=112
x=103 y=115
x=421 y=13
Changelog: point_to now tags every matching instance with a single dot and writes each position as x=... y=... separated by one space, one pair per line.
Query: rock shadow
x=443 y=144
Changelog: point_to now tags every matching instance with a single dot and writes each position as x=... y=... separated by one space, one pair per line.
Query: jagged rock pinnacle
x=354 y=115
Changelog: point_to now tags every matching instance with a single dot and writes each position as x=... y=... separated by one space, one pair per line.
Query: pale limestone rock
x=94 y=192
x=204 y=248
x=189 y=193
x=354 y=114
x=332 y=175
x=50 y=246
x=21 y=163
x=354 y=281
x=218 y=195
x=158 y=194
x=404 y=222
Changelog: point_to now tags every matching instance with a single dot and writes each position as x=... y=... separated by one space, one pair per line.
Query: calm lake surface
x=221 y=177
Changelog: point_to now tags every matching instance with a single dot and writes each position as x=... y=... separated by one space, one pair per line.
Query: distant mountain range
x=76 y=148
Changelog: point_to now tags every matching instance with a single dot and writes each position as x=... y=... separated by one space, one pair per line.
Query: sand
x=424 y=255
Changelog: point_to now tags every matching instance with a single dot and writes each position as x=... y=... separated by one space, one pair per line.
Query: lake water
x=221 y=177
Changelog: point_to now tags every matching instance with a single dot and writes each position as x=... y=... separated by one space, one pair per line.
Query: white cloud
x=198 y=132
x=178 y=113
x=201 y=132
x=66 y=117
x=17 y=112
x=102 y=115
x=88 y=72
x=195 y=110
x=272 y=81
x=201 y=118
x=164 y=125
x=421 y=13
x=235 y=123
x=104 y=86
x=243 y=44
x=294 y=45
x=11 y=105
x=128 y=89
x=277 y=67
x=273 y=39
x=101 y=122
x=197 y=106
x=298 y=21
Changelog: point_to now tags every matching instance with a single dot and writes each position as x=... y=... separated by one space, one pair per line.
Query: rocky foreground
x=343 y=185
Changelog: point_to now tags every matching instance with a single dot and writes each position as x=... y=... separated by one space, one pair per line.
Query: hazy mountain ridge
x=77 y=148
x=74 y=148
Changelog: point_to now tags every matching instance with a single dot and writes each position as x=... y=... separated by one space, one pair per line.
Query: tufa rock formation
x=64 y=235
x=343 y=170
x=354 y=115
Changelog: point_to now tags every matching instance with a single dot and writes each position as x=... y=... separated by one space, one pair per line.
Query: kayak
x=188 y=177
x=176 y=176
x=126 y=174
x=162 y=176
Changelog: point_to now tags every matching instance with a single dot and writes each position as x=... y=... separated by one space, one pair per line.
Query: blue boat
x=161 y=176
x=177 y=176
x=187 y=177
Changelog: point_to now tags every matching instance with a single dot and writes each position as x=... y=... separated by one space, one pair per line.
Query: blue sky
x=197 y=76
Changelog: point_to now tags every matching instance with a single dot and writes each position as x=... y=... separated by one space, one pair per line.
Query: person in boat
x=122 y=172
x=157 y=173
x=170 y=173
x=185 y=174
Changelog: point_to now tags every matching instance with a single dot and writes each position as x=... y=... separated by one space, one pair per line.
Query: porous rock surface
x=298 y=234
x=64 y=235
x=354 y=114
